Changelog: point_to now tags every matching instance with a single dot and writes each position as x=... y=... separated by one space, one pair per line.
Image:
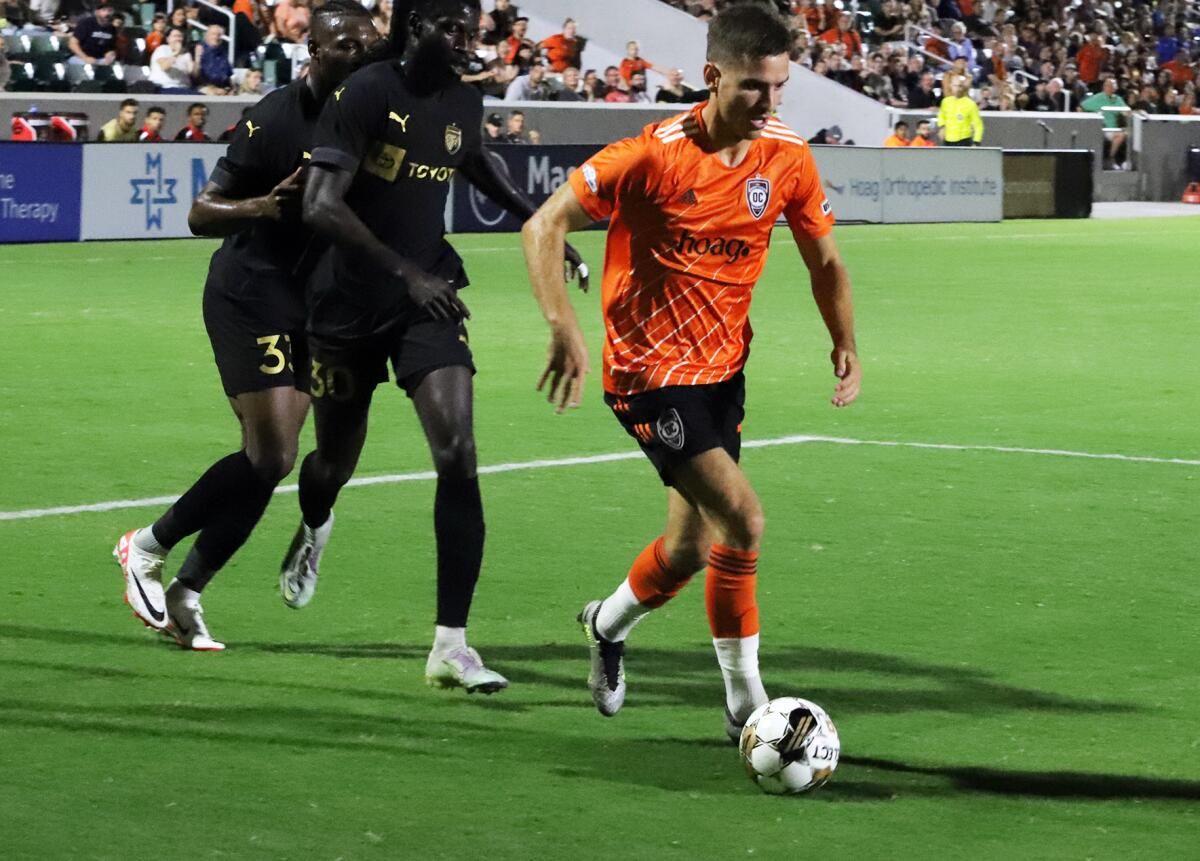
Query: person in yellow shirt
x=959 y=123
x=899 y=135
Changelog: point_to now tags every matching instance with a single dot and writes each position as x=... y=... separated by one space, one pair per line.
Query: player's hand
x=284 y=199
x=849 y=373
x=574 y=265
x=566 y=367
x=435 y=296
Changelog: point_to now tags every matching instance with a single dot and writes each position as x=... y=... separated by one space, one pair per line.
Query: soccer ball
x=789 y=745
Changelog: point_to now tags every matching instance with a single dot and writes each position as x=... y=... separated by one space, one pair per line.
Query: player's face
x=127 y=117
x=154 y=121
x=748 y=92
x=198 y=117
x=342 y=48
x=448 y=34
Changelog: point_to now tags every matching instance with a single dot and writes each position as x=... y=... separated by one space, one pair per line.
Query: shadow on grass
x=944 y=780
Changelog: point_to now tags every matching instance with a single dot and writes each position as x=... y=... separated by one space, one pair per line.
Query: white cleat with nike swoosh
x=186 y=623
x=143 y=581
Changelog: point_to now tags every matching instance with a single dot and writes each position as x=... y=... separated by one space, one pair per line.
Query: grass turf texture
x=1007 y=642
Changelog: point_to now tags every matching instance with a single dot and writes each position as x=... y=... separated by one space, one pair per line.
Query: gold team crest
x=453 y=138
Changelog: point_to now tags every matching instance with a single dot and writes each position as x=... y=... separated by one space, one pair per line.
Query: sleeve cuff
x=223 y=178
x=336 y=157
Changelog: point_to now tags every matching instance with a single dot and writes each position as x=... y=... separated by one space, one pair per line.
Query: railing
x=228 y=37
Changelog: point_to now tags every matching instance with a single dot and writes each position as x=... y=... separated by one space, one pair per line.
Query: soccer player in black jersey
x=385 y=150
x=254 y=310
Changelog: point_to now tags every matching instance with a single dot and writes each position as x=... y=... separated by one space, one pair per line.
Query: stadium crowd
x=1036 y=55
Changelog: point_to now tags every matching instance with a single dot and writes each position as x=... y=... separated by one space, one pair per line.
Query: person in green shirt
x=123 y=127
x=1098 y=102
x=959 y=123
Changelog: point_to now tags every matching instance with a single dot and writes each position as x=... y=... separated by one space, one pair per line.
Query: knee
x=745 y=525
x=687 y=554
x=455 y=457
x=272 y=463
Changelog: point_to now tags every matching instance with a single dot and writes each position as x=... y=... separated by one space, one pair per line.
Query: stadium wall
x=1162 y=144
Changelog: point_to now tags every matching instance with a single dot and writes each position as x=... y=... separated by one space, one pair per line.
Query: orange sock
x=652 y=579
x=729 y=592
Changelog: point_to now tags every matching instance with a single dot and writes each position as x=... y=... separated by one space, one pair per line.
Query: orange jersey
x=687 y=240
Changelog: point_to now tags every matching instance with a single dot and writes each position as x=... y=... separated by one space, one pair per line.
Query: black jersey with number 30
x=403 y=148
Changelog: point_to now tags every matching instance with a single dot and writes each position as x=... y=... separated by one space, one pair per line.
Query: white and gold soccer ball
x=789 y=745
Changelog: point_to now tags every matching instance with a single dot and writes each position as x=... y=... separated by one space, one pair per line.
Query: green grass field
x=1007 y=639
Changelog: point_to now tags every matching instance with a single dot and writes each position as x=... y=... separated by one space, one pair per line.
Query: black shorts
x=350 y=369
x=676 y=423
x=257 y=343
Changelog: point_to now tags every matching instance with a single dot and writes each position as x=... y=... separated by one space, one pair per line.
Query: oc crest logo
x=758 y=194
x=453 y=138
x=670 y=429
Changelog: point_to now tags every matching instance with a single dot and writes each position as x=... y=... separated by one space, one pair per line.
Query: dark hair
x=516 y=114
x=746 y=31
x=129 y=103
x=156 y=110
x=195 y=105
x=899 y=125
x=331 y=10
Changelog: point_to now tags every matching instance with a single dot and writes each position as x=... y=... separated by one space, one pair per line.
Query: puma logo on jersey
x=403 y=120
x=252 y=128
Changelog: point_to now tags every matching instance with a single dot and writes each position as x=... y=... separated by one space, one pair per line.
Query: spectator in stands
x=516 y=49
x=563 y=50
x=924 y=135
x=291 y=20
x=593 y=87
x=1091 y=58
x=179 y=20
x=193 y=132
x=124 y=47
x=1180 y=69
x=92 y=42
x=959 y=122
x=5 y=71
x=1168 y=45
x=637 y=89
x=1104 y=102
x=172 y=67
x=875 y=81
x=674 y=91
x=152 y=126
x=962 y=47
x=889 y=24
x=123 y=127
x=570 y=91
x=213 y=69
x=156 y=35
x=502 y=17
x=922 y=96
x=1187 y=105
x=493 y=129
x=1149 y=101
x=830 y=137
x=1040 y=99
x=515 y=133
x=614 y=89
x=633 y=62
x=252 y=84
x=845 y=34
x=899 y=135
x=532 y=87
x=382 y=16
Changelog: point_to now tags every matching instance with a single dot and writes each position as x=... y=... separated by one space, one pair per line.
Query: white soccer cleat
x=607 y=675
x=462 y=668
x=143 y=581
x=298 y=574
x=186 y=624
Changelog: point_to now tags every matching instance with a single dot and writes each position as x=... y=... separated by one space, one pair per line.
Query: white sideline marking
x=583 y=460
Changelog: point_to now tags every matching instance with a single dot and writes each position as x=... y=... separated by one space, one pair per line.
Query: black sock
x=204 y=500
x=458 y=525
x=317 y=495
x=234 y=520
x=194 y=573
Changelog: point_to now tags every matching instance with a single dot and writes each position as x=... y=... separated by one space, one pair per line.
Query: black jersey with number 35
x=403 y=148
x=270 y=142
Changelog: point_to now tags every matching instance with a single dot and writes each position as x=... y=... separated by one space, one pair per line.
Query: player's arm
x=831 y=290
x=215 y=213
x=544 y=239
x=491 y=176
x=326 y=212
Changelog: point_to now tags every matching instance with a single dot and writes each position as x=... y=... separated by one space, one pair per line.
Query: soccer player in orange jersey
x=692 y=203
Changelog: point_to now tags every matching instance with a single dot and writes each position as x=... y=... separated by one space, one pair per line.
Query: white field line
x=584 y=460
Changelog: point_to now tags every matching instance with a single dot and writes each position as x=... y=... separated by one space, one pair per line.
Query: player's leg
x=270 y=420
x=657 y=575
x=443 y=399
x=343 y=385
x=723 y=496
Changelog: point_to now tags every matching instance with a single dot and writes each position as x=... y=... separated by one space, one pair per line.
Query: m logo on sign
x=758 y=194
